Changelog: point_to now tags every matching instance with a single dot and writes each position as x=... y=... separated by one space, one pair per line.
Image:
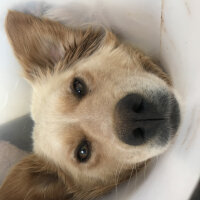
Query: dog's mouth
x=140 y=120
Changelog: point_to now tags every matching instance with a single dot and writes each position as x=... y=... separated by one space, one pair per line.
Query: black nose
x=138 y=119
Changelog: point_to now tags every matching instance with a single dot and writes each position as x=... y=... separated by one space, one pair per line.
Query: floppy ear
x=36 y=179
x=40 y=44
x=33 y=179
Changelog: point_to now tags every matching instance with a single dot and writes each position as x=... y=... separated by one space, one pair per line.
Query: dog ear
x=34 y=179
x=41 y=44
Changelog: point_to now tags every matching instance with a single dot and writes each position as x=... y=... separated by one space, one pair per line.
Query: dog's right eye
x=78 y=87
x=83 y=151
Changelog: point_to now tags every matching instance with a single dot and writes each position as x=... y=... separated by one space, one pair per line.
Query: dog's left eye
x=83 y=151
x=79 y=87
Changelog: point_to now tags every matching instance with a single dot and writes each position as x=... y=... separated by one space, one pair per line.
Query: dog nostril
x=138 y=107
x=139 y=134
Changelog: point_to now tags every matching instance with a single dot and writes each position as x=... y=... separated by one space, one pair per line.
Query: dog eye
x=83 y=151
x=79 y=87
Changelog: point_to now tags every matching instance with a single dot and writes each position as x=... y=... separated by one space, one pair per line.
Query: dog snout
x=140 y=119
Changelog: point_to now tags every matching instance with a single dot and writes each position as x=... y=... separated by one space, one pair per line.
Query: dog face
x=98 y=104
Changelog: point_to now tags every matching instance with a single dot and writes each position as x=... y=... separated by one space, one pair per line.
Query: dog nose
x=139 y=119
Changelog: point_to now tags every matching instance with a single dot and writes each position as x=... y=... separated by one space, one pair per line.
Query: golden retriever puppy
x=97 y=103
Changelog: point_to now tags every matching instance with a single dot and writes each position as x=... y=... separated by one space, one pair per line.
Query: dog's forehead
x=108 y=61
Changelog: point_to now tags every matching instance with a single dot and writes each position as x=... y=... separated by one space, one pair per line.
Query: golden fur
x=52 y=55
x=36 y=178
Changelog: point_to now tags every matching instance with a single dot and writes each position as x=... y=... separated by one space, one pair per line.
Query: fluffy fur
x=52 y=55
x=9 y=155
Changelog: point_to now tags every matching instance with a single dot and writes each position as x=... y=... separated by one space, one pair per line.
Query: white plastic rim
x=167 y=30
